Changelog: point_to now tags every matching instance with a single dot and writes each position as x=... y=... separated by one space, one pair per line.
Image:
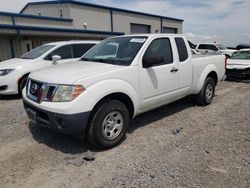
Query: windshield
x=221 y=47
x=241 y=55
x=119 y=51
x=37 y=52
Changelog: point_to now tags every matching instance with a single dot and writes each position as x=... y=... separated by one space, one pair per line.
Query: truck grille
x=39 y=91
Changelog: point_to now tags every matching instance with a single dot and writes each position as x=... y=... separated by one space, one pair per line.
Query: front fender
x=101 y=89
x=201 y=79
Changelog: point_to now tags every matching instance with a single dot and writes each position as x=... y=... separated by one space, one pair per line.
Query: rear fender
x=208 y=69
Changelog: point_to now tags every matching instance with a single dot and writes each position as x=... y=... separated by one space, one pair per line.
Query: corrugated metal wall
x=84 y=17
x=51 y=10
x=123 y=20
x=172 y=24
x=42 y=23
x=5 y=52
x=94 y=18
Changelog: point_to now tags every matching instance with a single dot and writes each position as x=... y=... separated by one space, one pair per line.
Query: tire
x=206 y=94
x=108 y=124
x=22 y=84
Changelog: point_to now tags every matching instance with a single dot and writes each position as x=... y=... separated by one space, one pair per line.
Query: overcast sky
x=225 y=21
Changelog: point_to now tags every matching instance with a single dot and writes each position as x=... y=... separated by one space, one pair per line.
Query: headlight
x=4 y=72
x=66 y=93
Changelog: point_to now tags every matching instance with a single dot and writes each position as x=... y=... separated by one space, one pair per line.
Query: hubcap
x=112 y=125
x=209 y=92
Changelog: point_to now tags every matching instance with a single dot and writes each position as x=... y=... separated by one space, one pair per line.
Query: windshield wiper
x=109 y=61
x=86 y=59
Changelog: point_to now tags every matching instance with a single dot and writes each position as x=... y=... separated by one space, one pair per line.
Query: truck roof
x=73 y=42
x=150 y=35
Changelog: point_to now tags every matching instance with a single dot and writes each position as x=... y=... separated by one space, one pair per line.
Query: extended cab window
x=80 y=49
x=182 y=49
x=65 y=52
x=160 y=48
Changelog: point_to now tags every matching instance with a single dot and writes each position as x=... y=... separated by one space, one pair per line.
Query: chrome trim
x=44 y=90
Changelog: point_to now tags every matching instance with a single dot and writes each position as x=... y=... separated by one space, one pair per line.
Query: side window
x=181 y=47
x=160 y=48
x=80 y=49
x=202 y=47
x=65 y=52
x=212 y=47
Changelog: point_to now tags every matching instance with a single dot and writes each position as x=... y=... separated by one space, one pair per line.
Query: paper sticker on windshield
x=138 y=40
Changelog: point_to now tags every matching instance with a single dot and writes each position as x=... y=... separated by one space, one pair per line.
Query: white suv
x=14 y=72
x=214 y=49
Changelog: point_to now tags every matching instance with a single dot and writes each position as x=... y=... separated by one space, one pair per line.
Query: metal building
x=46 y=21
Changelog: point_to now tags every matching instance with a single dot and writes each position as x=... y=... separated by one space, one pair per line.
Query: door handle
x=174 y=70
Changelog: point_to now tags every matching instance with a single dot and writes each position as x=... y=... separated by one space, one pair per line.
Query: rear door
x=185 y=65
x=159 y=82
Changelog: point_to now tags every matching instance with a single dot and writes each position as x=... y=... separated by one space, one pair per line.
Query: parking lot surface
x=178 y=145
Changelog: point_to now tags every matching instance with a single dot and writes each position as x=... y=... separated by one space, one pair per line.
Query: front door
x=160 y=81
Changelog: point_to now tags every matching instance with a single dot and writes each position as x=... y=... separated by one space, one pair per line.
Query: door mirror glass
x=152 y=61
x=55 y=58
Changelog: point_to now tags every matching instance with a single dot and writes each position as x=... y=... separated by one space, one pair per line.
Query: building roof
x=34 y=16
x=97 y=6
x=35 y=28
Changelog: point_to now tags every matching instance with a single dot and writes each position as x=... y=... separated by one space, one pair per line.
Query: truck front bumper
x=71 y=124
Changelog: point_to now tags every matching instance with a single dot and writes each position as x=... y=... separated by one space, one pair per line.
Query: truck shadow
x=160 y=113
x=70 y=145
x=60 y=142
x=10 y=97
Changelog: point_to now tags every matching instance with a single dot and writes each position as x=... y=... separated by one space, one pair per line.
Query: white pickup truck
x=116 y=80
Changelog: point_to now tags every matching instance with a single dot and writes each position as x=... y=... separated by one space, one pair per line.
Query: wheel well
x=213 y=75
x=125 y=99
x=20 y=79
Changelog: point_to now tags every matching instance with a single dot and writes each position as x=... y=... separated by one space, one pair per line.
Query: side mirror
x=151 y=61
x=55 y=58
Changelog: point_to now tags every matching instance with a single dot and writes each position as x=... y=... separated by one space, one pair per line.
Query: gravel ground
x=178 y=145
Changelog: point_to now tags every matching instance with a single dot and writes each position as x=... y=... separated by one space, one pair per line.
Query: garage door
x=139 y=28
x=169 y=30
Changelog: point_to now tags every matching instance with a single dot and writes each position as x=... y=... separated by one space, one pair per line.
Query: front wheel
x=108 y=124
x=206 y=94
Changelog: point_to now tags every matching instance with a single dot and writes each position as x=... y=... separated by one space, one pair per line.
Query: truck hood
x=13 y=63
x=69 y=73
x=238 y=64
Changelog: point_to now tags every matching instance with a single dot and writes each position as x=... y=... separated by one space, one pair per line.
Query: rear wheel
x=22 y=84
x=206 y=94
x=109 y=123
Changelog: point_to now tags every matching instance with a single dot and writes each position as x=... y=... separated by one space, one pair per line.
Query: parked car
x=242 y=46
x=213 y=49
x=99 y=95
x=14 y=72
x=239 y=64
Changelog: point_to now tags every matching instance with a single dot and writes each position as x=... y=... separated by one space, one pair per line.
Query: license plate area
x=32 y=115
